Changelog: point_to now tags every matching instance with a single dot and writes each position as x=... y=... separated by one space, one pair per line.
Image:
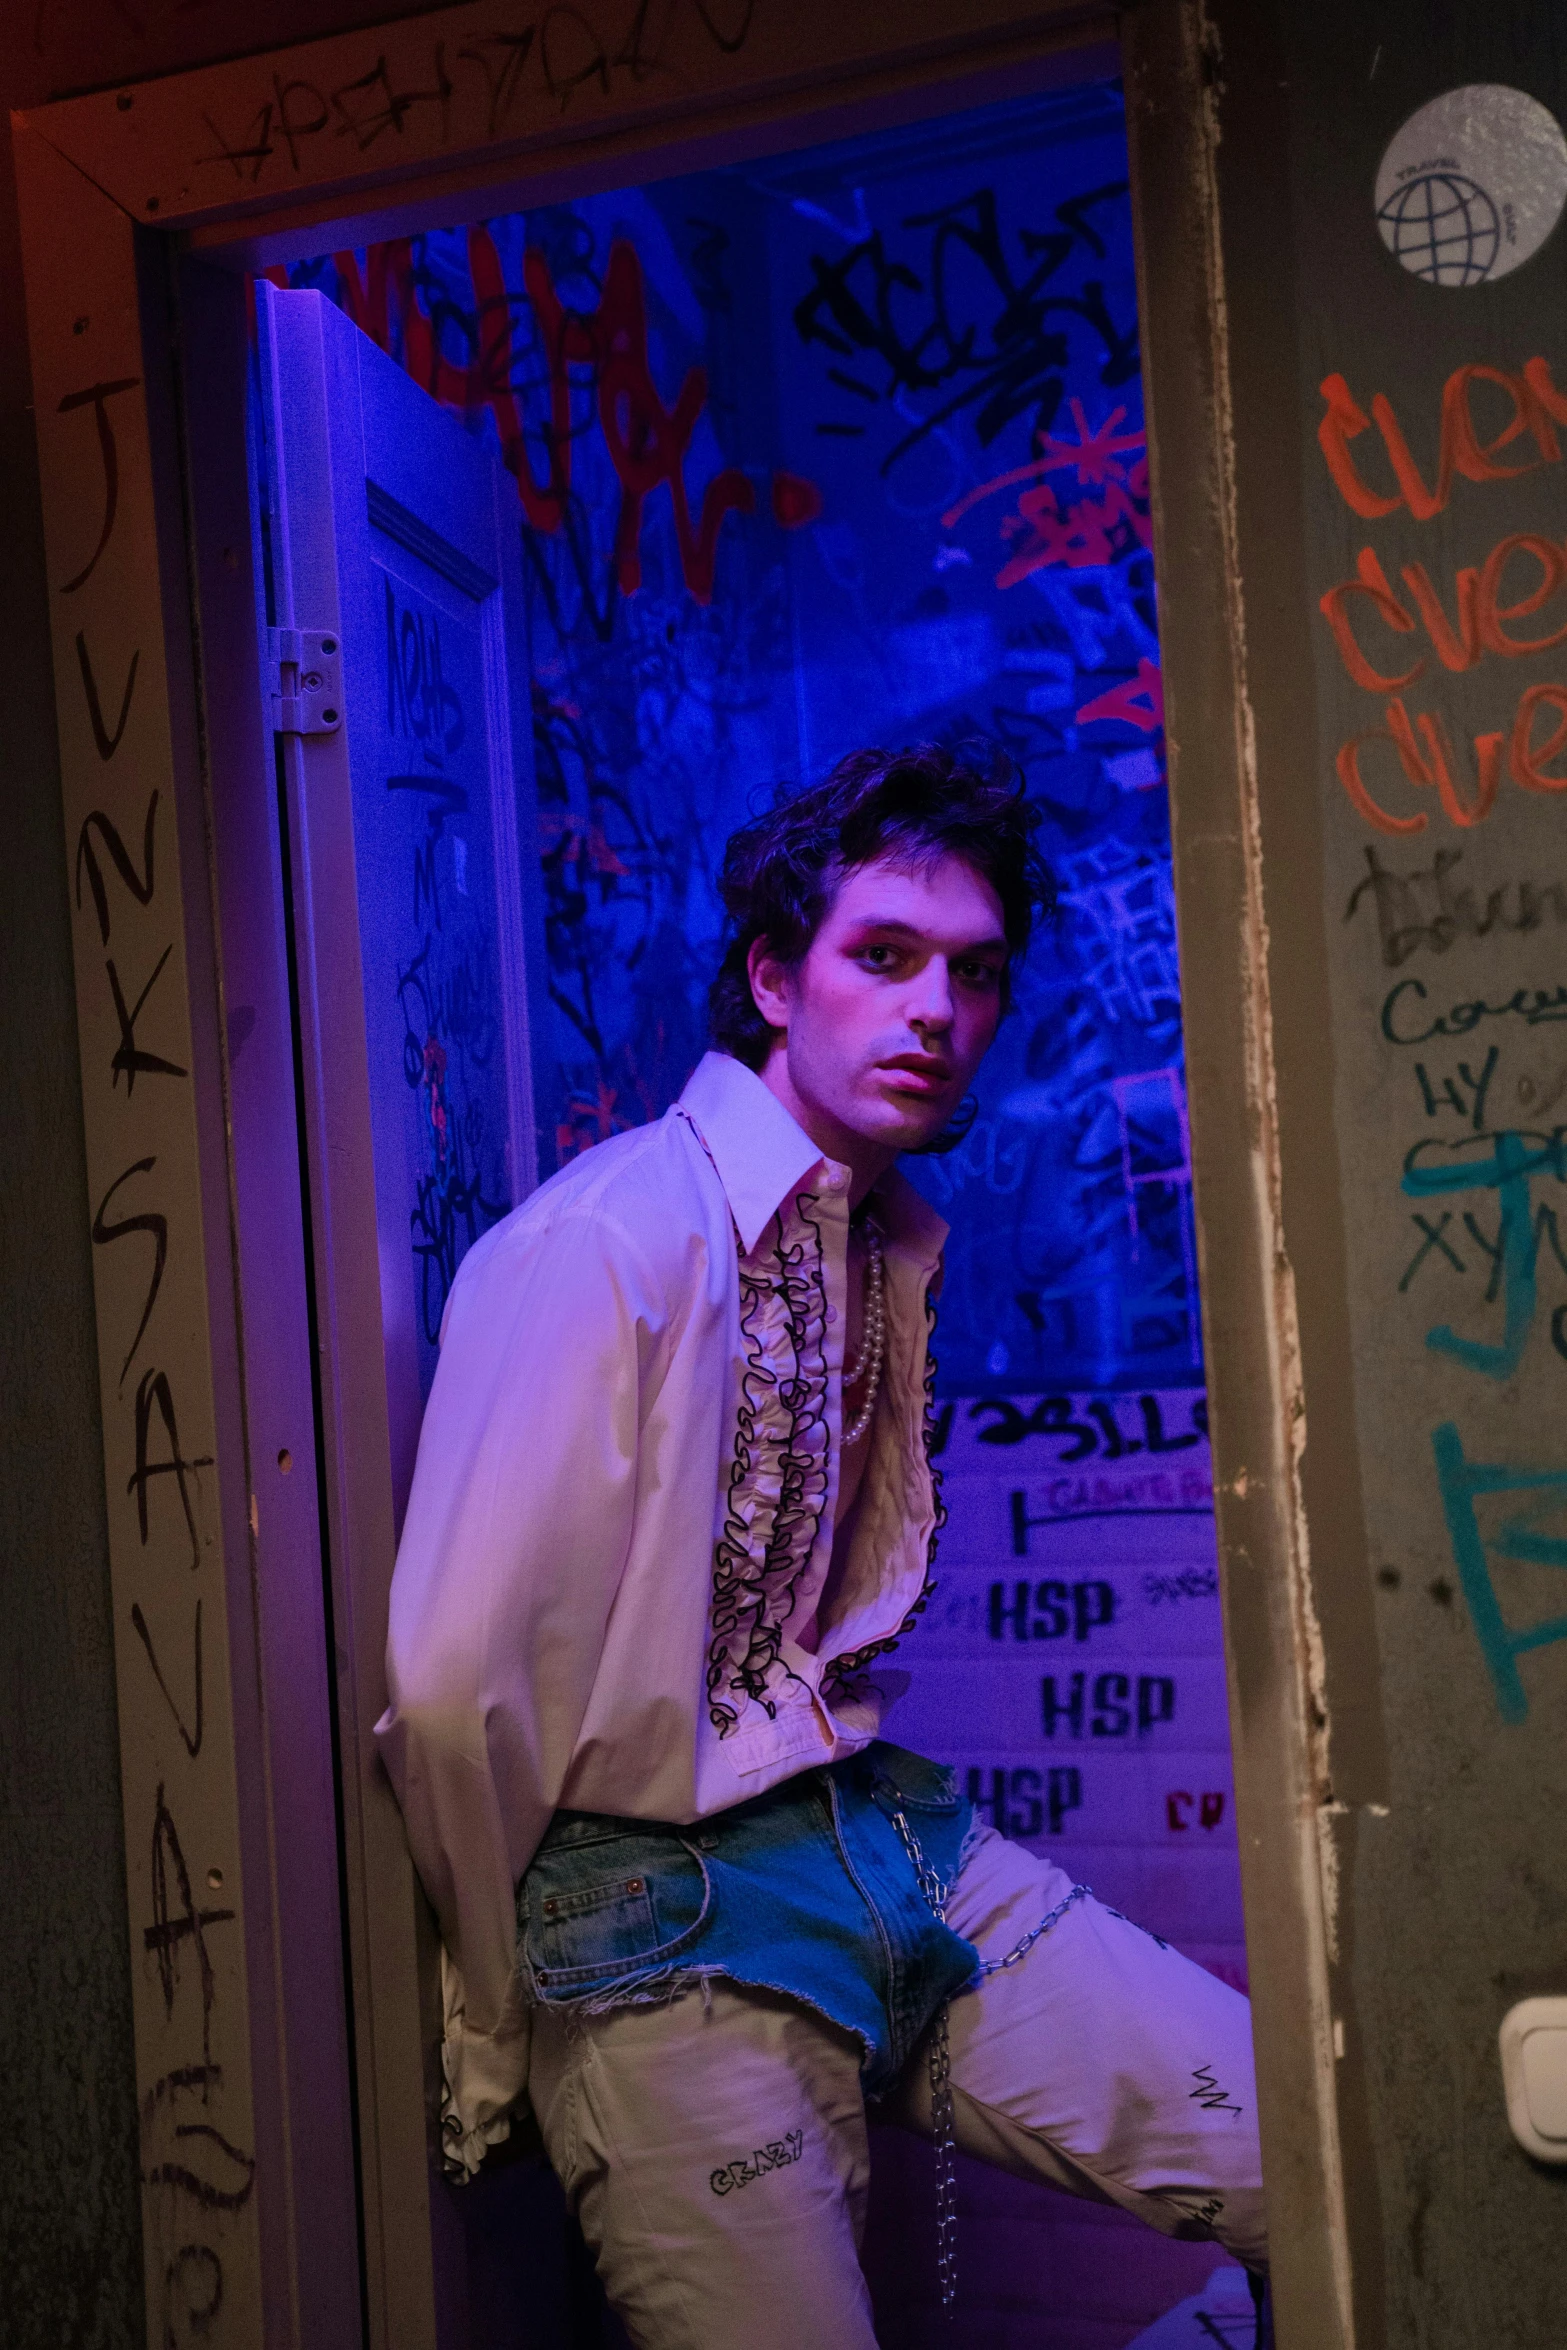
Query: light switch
x=1533 y=2042
x=1544 y=2055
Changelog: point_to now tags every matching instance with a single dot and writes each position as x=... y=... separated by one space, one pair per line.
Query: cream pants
x=714 y=2147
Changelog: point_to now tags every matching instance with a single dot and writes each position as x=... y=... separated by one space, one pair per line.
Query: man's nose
x=932 y=1001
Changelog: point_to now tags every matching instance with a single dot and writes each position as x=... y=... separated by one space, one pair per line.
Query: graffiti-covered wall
x=849 y=448
x=956 y=347
x=839 y=449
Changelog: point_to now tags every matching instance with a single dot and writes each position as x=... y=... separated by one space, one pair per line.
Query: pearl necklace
x=873 y=1339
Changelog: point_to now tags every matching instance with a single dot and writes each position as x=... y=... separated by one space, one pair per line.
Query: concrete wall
x=70 y=2223
x=1440 y=1776
x=70 y=2228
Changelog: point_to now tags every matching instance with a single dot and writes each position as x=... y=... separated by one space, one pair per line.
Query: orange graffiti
x=1426 y=759
x=1537 y=407
x=1526 y=761
x=1481 y=612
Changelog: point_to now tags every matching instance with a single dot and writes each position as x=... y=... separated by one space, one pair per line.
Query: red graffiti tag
x=1139 y=702
x=1089 y=531
x=648 y=443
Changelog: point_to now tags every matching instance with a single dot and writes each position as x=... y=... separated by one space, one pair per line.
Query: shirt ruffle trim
x=780 y=1469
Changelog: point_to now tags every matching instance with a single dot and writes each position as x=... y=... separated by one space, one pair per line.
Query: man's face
x=881 y=1028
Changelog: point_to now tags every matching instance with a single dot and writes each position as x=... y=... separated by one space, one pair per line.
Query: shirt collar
x=763 y=1155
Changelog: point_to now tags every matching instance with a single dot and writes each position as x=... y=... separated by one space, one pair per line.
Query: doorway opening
x=837 y=448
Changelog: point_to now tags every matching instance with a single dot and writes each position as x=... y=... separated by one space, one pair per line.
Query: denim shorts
x=807 y=1890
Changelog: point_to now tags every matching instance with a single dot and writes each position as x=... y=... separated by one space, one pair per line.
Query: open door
x=395 y=658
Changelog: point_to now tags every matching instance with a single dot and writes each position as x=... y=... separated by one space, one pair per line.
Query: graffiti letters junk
x=197 y=2161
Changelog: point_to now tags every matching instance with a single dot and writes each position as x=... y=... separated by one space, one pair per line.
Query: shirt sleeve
x=518 y=1526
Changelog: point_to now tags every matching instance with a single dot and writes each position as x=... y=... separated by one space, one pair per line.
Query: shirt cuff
x=484 y=2075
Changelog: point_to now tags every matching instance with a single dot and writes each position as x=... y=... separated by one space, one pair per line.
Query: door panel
x=392 y=552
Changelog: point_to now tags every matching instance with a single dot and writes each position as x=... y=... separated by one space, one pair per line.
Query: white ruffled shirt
x=624 y=1497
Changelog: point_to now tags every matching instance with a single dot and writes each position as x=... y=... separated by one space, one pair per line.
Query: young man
x=673 y=1501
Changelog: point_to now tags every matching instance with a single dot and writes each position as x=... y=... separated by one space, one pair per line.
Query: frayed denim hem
x=972 y=1836
x=656 y=1987
x=661 y=1986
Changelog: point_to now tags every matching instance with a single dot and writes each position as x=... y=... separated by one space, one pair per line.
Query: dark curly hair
x=781 y=874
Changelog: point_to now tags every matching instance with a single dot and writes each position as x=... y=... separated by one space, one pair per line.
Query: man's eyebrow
x=890 y=922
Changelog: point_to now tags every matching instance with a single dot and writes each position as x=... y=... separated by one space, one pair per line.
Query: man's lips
x=916 y=1073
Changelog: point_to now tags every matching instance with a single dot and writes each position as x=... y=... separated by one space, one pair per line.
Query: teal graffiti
x=1462 y=1482
x=1509 y=1162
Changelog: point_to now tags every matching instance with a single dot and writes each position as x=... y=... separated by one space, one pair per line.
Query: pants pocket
x=599 y=1926
x=639 y=1910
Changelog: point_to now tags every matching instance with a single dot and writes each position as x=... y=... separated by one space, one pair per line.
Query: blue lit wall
x=840 y=449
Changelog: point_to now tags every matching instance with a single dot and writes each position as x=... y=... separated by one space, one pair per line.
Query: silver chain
x=932 y=1886
x=993 y=1966
x=943 y=2129
x=944 y=2137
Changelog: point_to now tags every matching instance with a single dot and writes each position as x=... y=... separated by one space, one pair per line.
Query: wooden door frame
x=142 y=208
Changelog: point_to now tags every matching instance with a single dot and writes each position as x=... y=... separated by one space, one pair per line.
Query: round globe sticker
x=1472 y=185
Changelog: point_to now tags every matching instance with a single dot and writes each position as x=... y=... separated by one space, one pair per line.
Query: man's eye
x=879 y=958
x=979 y=974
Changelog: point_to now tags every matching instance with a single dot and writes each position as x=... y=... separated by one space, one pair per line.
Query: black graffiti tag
x=130 y=1058
x=172 y=2149
x=192 y=1740
x=107 y=743
x=178 y=1922
x=98 y=397
x=139 y=884
x=1000 y=357
x=566 y=50
x=156 y=1226
x=154 y=1390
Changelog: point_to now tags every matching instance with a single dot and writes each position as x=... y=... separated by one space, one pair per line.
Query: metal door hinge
x=306 y=680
